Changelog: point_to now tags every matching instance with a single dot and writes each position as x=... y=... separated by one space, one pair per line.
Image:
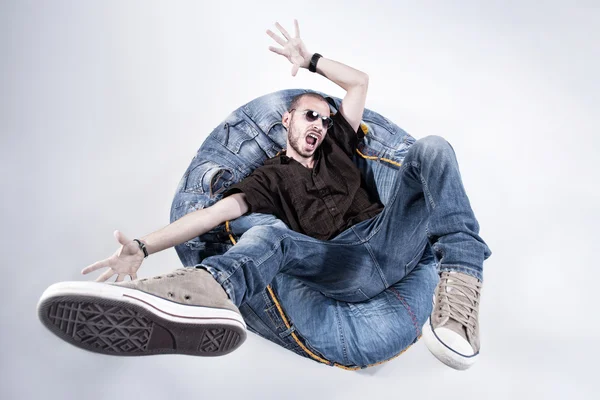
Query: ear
x=285 y=120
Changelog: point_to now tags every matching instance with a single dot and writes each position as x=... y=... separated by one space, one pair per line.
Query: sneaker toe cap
x=454 y=341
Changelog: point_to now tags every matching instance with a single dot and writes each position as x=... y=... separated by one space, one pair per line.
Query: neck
x=307 y=162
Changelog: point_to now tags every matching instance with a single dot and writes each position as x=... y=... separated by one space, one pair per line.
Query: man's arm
x=353 y=81
x=128 y=259
x=196 y=223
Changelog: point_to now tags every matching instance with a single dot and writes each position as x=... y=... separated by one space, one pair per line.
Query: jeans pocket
x=276 y=321
x=385 y=138
x=239 y=137
x=208 y=178
x=374 y=120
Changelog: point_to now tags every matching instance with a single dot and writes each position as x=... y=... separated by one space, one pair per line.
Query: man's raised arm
x=353 y=81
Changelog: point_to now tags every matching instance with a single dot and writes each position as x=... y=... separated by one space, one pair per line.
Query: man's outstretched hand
x=126 y=261
x=294 y=49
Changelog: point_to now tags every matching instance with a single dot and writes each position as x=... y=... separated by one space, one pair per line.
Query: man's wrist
x=312 y=65
x=142 y=246
x=307 y=62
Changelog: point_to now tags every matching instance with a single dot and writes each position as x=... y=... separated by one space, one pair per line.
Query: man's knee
x=432 y=142
x=432 y=146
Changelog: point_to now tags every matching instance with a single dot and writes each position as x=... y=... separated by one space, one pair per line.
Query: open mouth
x=311 y=141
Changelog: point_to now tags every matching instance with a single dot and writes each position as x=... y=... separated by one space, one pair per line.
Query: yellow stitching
x=229 y=232
x=364 y=128
x=377 y=158
x=310 y=353
x=287 y=325
x=285 y=321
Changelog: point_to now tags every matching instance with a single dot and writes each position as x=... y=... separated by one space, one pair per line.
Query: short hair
x=296 y=99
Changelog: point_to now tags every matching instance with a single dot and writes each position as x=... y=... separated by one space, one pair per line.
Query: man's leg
x=339 y=267
x=430 y=205
x=343 y=334
x=360 y=334
x=188 y=311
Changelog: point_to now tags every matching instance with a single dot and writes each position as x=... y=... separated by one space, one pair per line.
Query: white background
x=103 y=104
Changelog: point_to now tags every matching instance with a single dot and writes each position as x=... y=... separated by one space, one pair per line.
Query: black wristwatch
x=312 y=67
x=142 y=246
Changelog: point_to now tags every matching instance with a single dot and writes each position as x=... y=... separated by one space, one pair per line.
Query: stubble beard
x=295 y=142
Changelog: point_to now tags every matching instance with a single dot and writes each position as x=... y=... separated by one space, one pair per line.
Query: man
x=344 y=245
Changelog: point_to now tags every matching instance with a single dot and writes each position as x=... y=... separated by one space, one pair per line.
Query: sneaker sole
x=113 y=320
x=444 y=353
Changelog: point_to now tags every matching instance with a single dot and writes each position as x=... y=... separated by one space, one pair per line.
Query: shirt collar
x=282 y=158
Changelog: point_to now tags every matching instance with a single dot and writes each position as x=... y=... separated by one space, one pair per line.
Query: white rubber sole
x=444 y=353
x=116 y=320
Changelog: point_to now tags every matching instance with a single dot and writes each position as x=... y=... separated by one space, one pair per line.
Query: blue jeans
x=362 y=297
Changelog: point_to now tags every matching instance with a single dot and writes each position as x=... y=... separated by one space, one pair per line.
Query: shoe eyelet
x=187 y=297
x=170 y=276
x=170 y=294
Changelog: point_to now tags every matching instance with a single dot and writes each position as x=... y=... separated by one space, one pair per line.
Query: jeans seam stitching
x=249 y=309
x=426 y=190
x=391 y=202
x=341 y=333
x=325 y=242
x=270 y=305
x=408 y=309
x=377 y=266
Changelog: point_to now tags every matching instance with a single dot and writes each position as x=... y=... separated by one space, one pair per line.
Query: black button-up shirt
x=320 y=202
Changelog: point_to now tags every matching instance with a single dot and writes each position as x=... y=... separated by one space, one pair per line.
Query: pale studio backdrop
x=103 y=104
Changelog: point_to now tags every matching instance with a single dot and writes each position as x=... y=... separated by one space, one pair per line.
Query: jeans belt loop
x=287 y=332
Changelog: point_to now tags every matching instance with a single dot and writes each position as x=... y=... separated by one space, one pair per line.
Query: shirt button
x=332 y=209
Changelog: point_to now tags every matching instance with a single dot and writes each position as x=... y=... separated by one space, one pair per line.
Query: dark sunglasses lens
x=311 y=116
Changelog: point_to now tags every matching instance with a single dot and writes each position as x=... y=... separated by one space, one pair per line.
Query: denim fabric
x=349 y=334
x=363 y=296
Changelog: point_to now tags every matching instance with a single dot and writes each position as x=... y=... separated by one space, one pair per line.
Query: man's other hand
x=126 y=261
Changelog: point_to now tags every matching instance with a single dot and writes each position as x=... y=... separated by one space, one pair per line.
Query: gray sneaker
x=452 y=331
x=183 y=312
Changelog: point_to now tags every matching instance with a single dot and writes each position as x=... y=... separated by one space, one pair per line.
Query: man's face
x=304 y=136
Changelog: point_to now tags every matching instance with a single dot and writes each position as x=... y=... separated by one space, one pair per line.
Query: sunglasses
x=312 y=116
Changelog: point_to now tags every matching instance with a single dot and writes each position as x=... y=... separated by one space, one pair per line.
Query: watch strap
x=143 y=247
x=312 y=67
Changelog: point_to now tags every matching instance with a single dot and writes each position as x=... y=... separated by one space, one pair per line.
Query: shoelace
x=460 y=303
